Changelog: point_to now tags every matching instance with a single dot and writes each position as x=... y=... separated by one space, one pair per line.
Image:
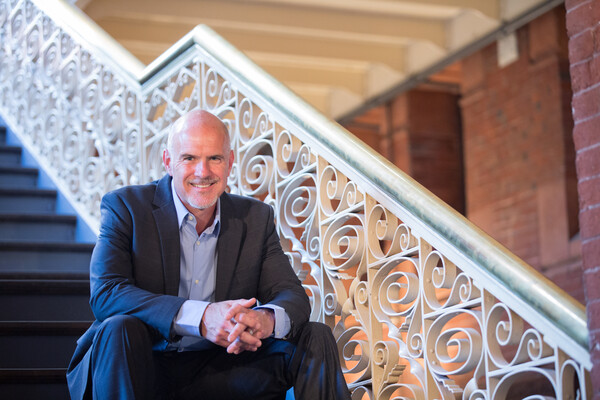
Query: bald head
x=197 y=120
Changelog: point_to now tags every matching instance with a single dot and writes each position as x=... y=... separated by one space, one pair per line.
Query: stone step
x=44 y=256
x=39 y=344
x=45 y=300
x=33 y=384
x=18 y=177
x=30 y=201
x=10 y=155
x=49 y=227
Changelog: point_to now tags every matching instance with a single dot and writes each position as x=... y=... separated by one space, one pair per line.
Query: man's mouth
x=203 y=184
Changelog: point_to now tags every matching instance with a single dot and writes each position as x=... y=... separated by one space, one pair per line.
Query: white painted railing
x=422 y=303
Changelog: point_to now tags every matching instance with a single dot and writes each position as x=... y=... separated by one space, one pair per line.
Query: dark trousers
x=124 y=366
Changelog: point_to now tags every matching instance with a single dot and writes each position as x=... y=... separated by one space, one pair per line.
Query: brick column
x=583 y=28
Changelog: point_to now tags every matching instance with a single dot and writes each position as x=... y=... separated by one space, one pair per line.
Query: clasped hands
x=234 y=325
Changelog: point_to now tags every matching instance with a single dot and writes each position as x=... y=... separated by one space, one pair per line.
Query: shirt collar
x=183 y=212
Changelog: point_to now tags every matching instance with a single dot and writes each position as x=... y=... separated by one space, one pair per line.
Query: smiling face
x=199 y=159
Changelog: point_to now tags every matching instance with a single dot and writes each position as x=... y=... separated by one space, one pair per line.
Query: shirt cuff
x=282 y=321
x=188 y=318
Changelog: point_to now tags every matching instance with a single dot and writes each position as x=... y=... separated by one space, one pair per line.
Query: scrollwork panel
x=408 y=320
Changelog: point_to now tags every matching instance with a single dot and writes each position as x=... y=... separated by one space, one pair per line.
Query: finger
x=234 y=312
x=246 y=338
x=238 y=346
x=251 y=319
x=250 y=339
x=235 y=348
x=238 y=306
x=236 y=332
x=248 y=303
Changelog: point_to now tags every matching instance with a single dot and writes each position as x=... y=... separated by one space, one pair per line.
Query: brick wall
x=420 y=132
x=583 y=28
x=519 y=168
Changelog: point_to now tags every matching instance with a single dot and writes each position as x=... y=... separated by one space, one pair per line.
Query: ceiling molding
x=342 y=56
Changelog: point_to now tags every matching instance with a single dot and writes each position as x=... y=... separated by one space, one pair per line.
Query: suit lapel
x=168 y=232
x=228 y=248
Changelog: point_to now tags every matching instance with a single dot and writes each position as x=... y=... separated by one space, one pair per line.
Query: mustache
x=204 y=181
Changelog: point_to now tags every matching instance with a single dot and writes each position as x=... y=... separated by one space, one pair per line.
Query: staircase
x=44 y=284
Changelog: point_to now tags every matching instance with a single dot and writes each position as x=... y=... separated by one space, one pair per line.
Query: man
x=192 y=293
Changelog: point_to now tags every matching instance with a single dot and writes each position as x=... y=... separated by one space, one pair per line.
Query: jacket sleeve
x=127 y=253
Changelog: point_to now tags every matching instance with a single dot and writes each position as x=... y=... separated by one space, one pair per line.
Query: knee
x=319 y=334
x=121 y=328
x=120 y=323
x=318 y=329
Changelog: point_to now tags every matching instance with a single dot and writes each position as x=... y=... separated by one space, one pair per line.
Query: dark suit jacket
x=134 y=268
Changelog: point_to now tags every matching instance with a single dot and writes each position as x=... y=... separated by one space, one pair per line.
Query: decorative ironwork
x=409 y=322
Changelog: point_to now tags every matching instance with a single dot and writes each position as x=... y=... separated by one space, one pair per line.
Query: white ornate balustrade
x=422 y=304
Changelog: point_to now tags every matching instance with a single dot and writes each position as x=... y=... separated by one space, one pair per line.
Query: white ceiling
x=340 y=55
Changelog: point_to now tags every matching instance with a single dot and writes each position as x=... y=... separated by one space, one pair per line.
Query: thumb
x=247 y=303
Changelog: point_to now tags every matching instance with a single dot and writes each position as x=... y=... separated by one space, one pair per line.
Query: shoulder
x=244 y=201
x=139 y=194
x=133 y=204
x=133 y=191
x=244 y=207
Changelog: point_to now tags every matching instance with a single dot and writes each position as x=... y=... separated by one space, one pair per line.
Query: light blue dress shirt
x=197 y=273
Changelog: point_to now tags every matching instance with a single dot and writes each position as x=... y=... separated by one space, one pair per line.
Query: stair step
x=33 y=384
x=37 y=227
x=43 y=328
x=57 y=275
x=39 y=256
x=48 y=344
x=45 y=300
x=31 y=201
x=18 y=177
x=33 y=375
x=44 y=286
x=10 y=155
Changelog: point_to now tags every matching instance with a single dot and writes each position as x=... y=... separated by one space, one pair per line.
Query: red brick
x=590 y=223
x=580 y=18
x=544 y=35
x=595 y=345
x=590 y=250
x=591 y=279
x=586 y=104
x=570 y=4
x=581 y=76
x=593 y=312
x=569 y=278
x=596 y=34
x=472 y=72
x=588 y=163
x=587 y=133
x=589 y=192
x=581 y=47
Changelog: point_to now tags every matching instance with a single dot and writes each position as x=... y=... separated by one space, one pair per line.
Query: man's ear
x=231 y=159
x=167 y=161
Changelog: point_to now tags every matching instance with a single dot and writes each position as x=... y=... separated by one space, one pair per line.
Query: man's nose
x=202 y=168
